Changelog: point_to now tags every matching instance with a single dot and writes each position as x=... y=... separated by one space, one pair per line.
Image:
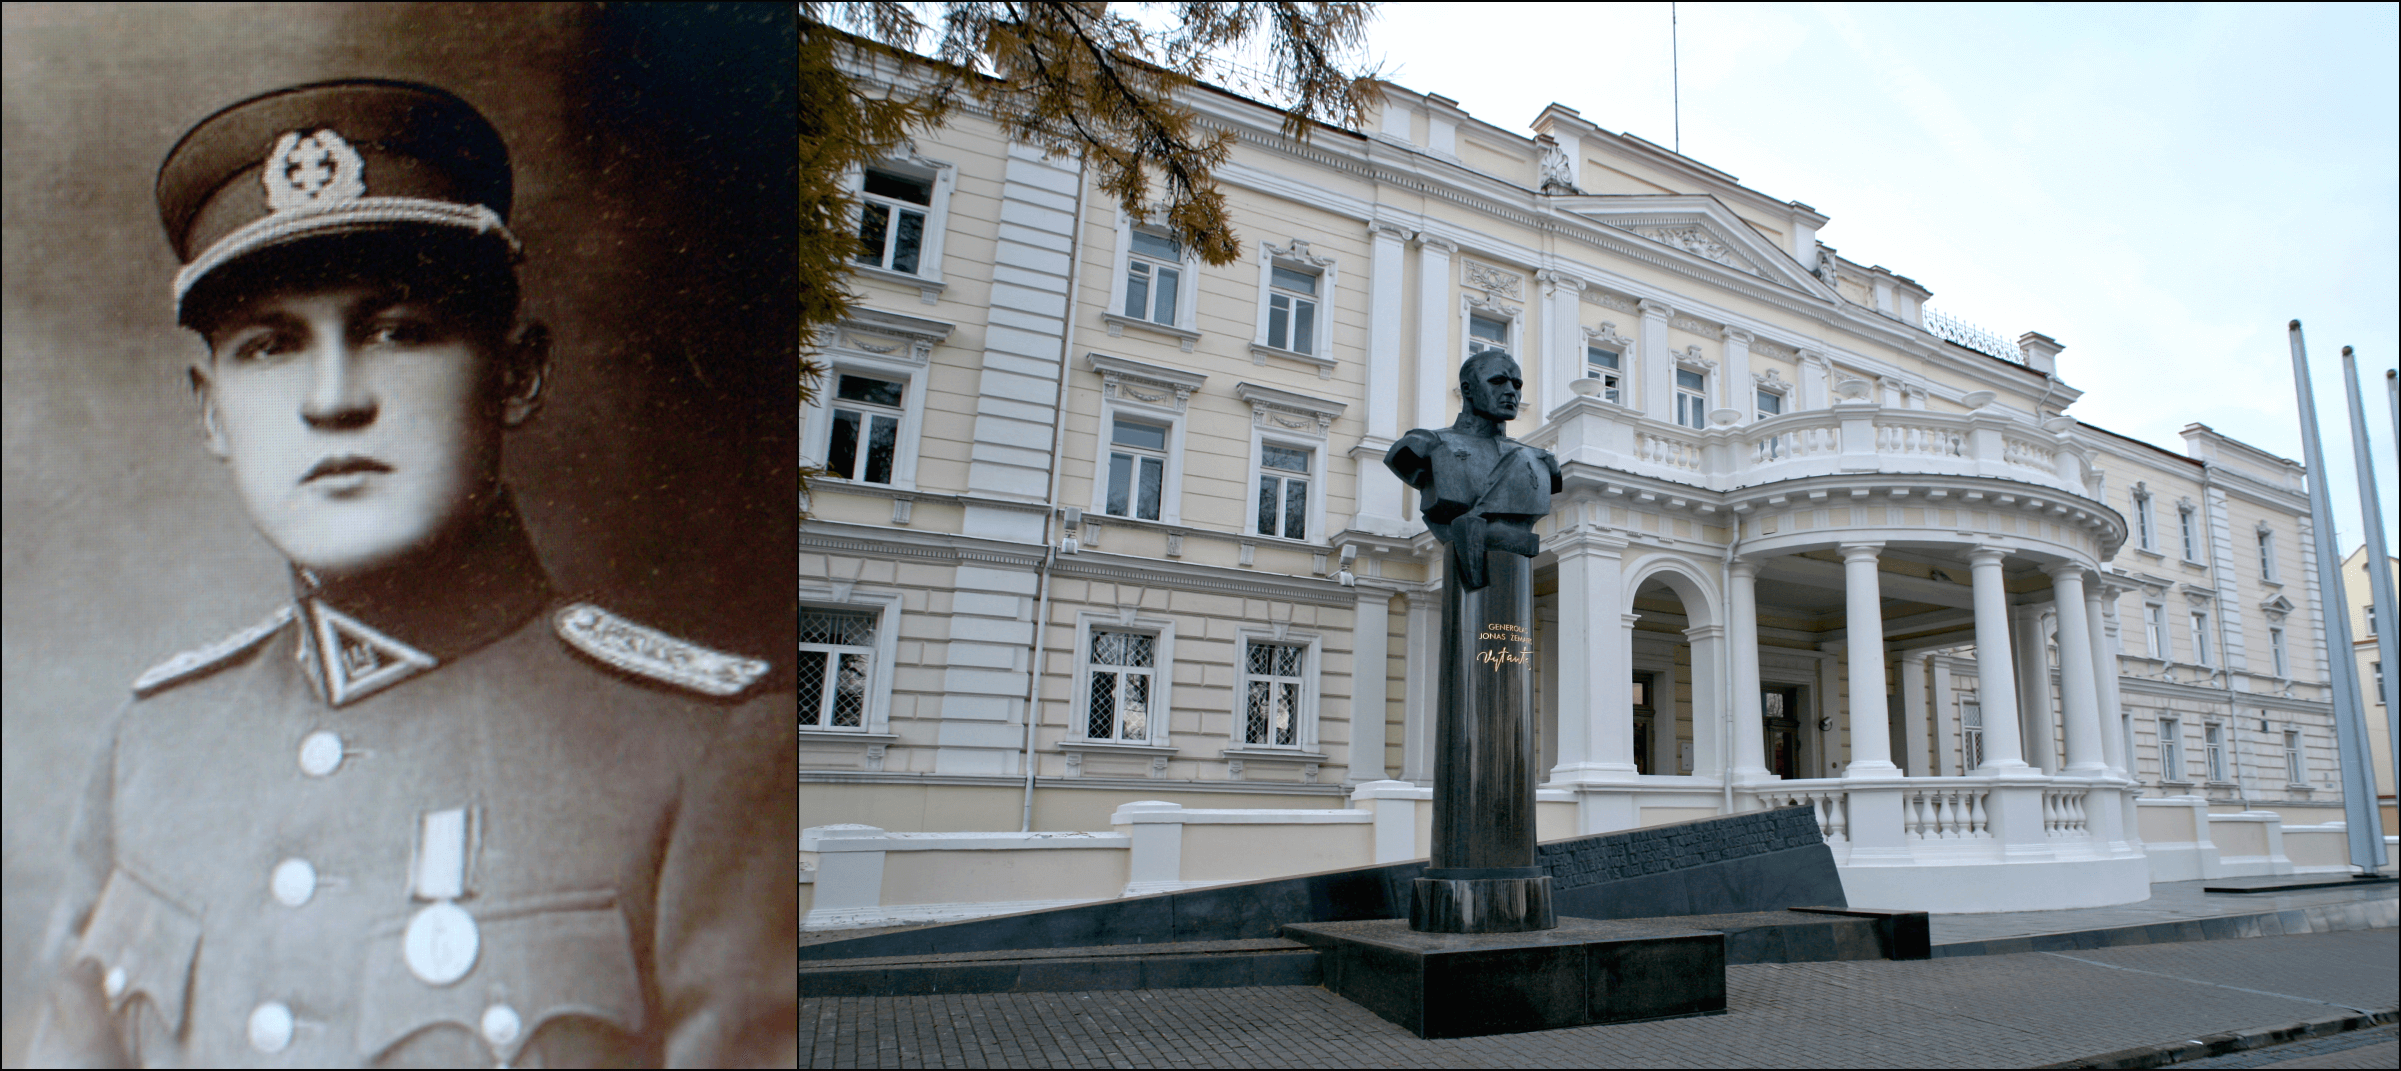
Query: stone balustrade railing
x=1862 y=437
x=1925 y=812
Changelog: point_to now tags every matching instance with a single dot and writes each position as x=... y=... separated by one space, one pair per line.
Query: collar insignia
x=647 y=652
x=194 y=662
x=319 y=170
x=357 y=660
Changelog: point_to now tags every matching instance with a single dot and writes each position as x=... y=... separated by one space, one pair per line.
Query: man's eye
x=265 y=346
x=399 y=333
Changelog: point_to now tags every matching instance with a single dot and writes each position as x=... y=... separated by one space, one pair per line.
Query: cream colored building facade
x=1819 y=544
x=2371 y=678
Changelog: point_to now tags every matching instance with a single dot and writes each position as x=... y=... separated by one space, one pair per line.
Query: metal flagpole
x=2378 y=563
x=2363 y=831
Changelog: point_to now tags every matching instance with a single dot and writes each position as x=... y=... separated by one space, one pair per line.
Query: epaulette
x=200 y=660
x=647 y=652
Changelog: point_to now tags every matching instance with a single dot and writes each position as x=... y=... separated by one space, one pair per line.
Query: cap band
x=359 y=213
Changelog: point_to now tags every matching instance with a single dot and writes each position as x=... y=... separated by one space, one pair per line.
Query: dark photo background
x=653 y=149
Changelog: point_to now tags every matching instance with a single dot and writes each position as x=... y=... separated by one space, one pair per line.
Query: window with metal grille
x=892 y=209
x=1608 y=366
x=837 y=660
x=1292 y=309
x=1283 y=491
x=2292 y=757
x=1120 y=686
x=1275 y=693
x=2213 y=750
x=1971 y=734
x=866 y=428
x=1154 y=278
x=2171 y=750
x=1486 y=333
x=1137 y=468
x=1692 y=399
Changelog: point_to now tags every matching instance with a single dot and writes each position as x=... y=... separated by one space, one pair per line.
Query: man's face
x=359 y=426
x=1493 y=394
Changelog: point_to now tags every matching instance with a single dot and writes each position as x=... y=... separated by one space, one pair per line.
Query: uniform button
x=501 y=1024
x=293 y=882
x=113 y=983
x=271 y=1027
x=321 y=753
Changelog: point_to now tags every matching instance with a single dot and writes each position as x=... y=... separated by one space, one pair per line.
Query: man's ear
x=212 y=429
x=525 y=367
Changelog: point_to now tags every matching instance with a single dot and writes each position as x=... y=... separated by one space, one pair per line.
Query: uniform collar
x=361 y=635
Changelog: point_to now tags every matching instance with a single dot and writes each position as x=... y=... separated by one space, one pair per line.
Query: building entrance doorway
x=1646 y=720
x=1780 y=707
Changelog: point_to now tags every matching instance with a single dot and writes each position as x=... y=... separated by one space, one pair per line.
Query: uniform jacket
x=611 y=808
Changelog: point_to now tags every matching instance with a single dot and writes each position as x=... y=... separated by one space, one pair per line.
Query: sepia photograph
x=400 y=465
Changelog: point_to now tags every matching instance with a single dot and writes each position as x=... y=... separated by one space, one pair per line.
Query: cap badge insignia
x=312 y=171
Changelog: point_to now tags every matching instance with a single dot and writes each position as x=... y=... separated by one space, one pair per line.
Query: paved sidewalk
x=2173 y=901
x=2012 y=1010
x=2365 y=1048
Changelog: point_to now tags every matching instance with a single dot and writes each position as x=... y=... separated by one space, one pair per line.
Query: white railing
x=2031 y=454
x=1829 y=798
x=1677 y=454
x=1920 y=440
x=2063 y=812
x=1797 y=444
x=1952 y=329
x=1927 y=811
x=1948 y=812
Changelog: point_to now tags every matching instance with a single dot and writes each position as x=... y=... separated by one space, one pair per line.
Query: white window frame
x=2188 y=530
x=884 y=346
x=1971 y=733
x=1162 y=668
x=2267 y=555
x=2203 y=633
x=2296 y=771
x=2171 y=750
x=2155 y=631
x=1305 y=732
x=2213 y=753
x=886 y=606
x=1151 y=394
x=1297 y=256
x=2276 y=650
x=1187 y=289
x=1491 y=308
x=1685 y=398
x=1295 y=422
x=944 y=176
x=2146 y=527
x=1605 y=337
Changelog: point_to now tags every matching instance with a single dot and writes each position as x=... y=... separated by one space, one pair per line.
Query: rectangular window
x=1971 y=734
x=1283 y=491
x=1137 y=468
x=837 y=659
x=2267 y=555
x=2276 y=651
x=1120 y=687
x=2292 y=757
x=1486 y=333
x=866 y=431
x=2202 y=647
x=1292 y=310
x=2191 y=537
x=2144 y=537
x=2213 y=748
x=2171 y=750
x=1770 y=404
x=2371 y=621
x=1154 y=275
x=2155 y=628
x=892 y=211
x=1692 y=399
x=1608 y=366
x=1274 y=694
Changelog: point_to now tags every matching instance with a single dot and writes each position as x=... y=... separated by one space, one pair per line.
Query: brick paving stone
x=2014 y=1010
x=2362 y=1048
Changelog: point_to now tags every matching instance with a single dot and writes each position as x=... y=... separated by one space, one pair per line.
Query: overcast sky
x=2158 y=187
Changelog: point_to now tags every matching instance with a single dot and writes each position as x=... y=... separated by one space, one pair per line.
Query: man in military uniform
x=427 y=811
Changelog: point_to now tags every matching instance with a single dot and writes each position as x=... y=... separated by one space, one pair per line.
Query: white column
x=1425 y=658
x=1996 y=688
x=1654 y=368
x=2098 y=621
x=1817 y=381
x=1381 y=508
x=1563 y=346
x=1946 y=728
x=2033 y=713
x=1915 y=730
x=2080 y=704
x=1708 y=699
x=1595 y=665
x=1829 y=685
x=1736 y=394
x=1742 y=630
x=1437 y=311
x=1370 y=637
x=1863 y=625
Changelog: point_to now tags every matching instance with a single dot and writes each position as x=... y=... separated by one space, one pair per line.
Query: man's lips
x=345 y=465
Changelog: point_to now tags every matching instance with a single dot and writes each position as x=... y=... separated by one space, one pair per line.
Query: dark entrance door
x=1646 y=721
x=1780 y=706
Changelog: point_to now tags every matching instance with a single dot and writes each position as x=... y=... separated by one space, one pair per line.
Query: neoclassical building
x=1102 y=524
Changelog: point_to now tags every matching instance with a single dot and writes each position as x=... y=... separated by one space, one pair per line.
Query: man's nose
x=338 y=396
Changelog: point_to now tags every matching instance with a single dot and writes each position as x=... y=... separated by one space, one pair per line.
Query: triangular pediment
x=1695 y=225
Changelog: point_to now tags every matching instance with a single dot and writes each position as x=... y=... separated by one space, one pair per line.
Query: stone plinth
x=1580 y=973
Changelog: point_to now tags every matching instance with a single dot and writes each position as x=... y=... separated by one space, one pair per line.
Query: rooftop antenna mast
x=1675 y=80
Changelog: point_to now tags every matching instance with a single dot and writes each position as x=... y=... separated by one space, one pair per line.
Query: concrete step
x=1174 y=965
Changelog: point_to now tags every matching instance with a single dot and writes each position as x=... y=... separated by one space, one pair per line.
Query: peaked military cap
x=359 y=156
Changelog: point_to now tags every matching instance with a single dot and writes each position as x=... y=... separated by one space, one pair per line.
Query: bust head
x=1491 y=386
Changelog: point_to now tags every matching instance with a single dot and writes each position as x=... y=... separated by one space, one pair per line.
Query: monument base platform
x=1585 y=972
x=1441 y=904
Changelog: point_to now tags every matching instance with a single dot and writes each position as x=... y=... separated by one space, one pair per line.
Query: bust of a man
x=1479 y=490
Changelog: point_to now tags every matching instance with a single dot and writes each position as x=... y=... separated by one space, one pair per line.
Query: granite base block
x=1585 y=972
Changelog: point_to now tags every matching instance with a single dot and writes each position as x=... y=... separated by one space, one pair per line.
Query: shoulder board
x=647 y=652
x=200 y=660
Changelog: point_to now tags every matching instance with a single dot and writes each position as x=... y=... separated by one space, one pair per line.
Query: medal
x=441 y=943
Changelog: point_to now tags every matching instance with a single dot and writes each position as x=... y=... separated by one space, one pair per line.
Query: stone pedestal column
x=1742 y=631
x=2080 y=704
x=1996 y=684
